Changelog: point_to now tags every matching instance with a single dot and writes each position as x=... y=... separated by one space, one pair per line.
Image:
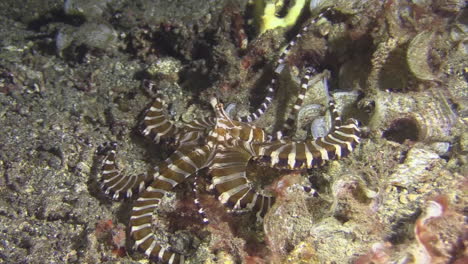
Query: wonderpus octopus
x=225 y=146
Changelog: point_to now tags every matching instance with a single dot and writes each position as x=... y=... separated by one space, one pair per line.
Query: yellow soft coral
x=268 y=19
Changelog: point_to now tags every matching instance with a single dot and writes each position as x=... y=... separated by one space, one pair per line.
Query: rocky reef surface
x=70 y=80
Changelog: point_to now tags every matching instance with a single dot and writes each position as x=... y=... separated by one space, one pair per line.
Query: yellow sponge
x=269 y=20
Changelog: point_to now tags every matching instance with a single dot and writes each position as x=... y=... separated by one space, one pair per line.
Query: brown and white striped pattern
x=228 y=169
x=304 y=85
x=225 y=146
x=113 y=180
x=280 y=64
x=194 y=132
x=180 y=165
x=156 y=123
x=263 y=107
x=229 y=147
x=271 y=89
x=296 y=155
x=229 y=178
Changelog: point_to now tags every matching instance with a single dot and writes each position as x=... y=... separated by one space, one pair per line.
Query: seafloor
x=70 y=79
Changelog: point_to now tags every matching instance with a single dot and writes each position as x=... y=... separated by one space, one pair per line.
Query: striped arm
x=156 y=123
x=288 y=125
x=335 y=117
x=180 y=165
x=233 y=131
x=266 y=102
x=229 y=179
x=196 y=201
x=189 y=138
x=113 y=180
x=246 y=133
x=193 y=132
x=294 y=155
x=200 y=124
x=280 y=64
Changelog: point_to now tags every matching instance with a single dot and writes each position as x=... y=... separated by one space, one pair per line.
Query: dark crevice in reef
x=401 y=130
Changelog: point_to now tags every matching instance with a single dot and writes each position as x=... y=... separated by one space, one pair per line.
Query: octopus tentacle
x=180 y=165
